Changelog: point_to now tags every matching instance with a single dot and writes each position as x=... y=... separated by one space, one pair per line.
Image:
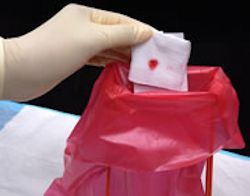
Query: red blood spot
x=152 y=63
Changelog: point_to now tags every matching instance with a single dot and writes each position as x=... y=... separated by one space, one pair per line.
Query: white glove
x=39 y=60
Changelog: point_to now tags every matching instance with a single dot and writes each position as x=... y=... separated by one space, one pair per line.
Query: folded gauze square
x=160 y=62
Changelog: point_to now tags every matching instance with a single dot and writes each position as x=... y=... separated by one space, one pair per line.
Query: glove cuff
x=1 y=67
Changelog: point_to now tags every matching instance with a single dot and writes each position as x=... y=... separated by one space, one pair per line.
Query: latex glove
x=39 y=60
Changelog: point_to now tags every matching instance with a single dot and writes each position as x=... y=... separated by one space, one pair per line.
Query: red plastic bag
x=155 y=143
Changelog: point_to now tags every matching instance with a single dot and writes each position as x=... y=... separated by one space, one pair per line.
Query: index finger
x=111 y=18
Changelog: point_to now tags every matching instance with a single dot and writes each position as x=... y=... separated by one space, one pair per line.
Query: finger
x=109 y=18
x=102 y=61
x=126 y=51
x=97 y=61
x=115 y=54
x=124 y=35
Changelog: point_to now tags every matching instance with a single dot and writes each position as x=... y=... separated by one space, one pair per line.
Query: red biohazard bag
x=149 y=144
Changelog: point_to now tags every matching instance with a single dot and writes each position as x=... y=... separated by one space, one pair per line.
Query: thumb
x=125 y=34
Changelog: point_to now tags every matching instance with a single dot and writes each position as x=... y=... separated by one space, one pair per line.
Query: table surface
x=32 y=143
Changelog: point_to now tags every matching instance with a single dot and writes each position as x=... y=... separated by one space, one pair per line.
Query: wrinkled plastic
x=155 y=143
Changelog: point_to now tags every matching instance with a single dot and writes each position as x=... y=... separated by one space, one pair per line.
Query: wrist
x=10 y=63
x=1 y=67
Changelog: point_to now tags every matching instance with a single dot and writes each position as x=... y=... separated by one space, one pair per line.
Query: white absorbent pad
x=160 y=62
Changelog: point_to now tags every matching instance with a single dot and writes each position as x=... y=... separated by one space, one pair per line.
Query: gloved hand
x=38 y=61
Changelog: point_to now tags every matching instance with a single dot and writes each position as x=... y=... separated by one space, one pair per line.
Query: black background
x=219 y=34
